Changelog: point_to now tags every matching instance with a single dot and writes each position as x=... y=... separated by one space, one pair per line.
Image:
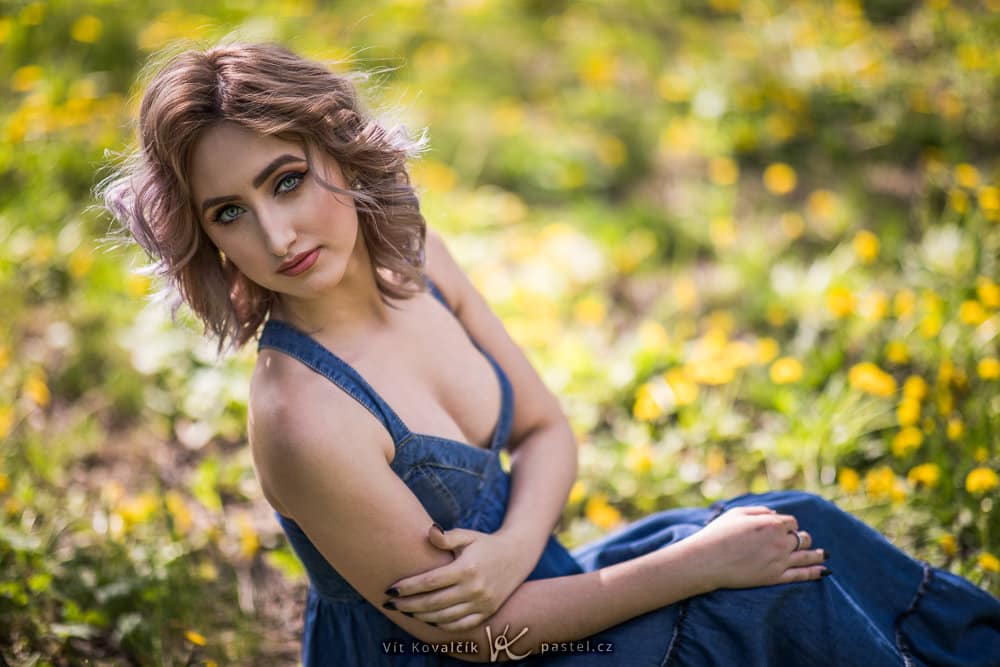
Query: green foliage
x=751 y=245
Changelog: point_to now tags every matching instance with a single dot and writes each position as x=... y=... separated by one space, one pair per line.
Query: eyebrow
x=258 y=179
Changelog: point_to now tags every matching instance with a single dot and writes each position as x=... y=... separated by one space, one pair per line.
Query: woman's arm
x=322 y=459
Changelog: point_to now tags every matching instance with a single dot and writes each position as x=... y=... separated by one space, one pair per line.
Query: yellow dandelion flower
x=780 y=178
x=786 y=371
x=966 y=175
x=685 y=293
x=866 y=246
x=767 y=349
x=135 y=510
x=958 y=200
x=590 y=310
x=980 y=455
x=955 y=428
x=4 y=356
x=869 y=378
x=249 y=540
x=685 y=390
x=711 y=372
x=6 y=420
x=948 y=545
x=988 y=368
x=822 y=204
x=930 y=325
x=27 y=77
x=723 y=170
x=792 y=225
x=137 y=285
x=87 y=29
x=848 y=480
x=925 y=474
x=989 y=562
x=904 y=303
x=600 y=513
x=179 y=512
x=80 y=261
x=435 y=176
x=981 y=480
x=879 y=482
x=915 y=387
x=989 y=198
x=578 y=492
x=646 y=407
x=4 y=483
x=840 y=301
x=722 y=232
x=897 y=353
x=972 y=312
x=639 y=459
x=874 y=306
x=37 y=390
x=195 y=638
x=946 y=371
x=908 y=412
x=988 y=292
x=906 y=441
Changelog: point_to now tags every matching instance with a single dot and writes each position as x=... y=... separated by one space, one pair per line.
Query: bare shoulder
x=297 y=418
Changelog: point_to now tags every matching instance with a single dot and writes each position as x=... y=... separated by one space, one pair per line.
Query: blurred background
x=750 y=244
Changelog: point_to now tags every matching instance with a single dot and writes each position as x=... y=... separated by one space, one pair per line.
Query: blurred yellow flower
x=955 y=428
x=33 y=13
x=767 y=349
x=988 y=368
x=958 y=200
x=880 y=482
x=195 y=638
x=904 y=303
x=722 y=232
x=989 y=198
x=945 y=402
x=989 y=562
x=685 y=293
x=906 y=441
x=685 y=390
x=600 y=513
x=930 y=325
x=87 y=29
x=840 y=301
x=915 y=387
x=673 y=87
x=711 y=371
x=908 y=412
x=897 y=352
x=786 y=371
x=866 y=246
x=926 y=474
x=4 y=482
x=434 y=176
x=948 y=544
x=871 y=379
x=715 y=461
x=80 y=261
x=137 y=285
x=37 y=390
x=980 y=455
x=590 y=310
x=988 y=292
x=972 y=312
x=646 y=406
x=639 y=459
x=792 y=225
x=25 y=78
x=980 y=480
x=249 y=541
x=6 y=420
x=4 y=356
x=822 y=204
x=179 y=512
x=137 y=509
x=577 y=492
x=779 y=178
x=966 y=175
x=848 y=479
x=874 y=306
x=946 y=370
x=723 y=170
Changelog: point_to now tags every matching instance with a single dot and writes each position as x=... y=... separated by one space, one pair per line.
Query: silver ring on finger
x=798 y=539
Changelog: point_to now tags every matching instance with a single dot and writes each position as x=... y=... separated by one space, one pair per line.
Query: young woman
x=385 y=388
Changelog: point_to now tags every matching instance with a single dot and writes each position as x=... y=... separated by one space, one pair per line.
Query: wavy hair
x=271 y=90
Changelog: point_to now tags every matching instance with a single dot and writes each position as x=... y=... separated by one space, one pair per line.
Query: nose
x=279 y=234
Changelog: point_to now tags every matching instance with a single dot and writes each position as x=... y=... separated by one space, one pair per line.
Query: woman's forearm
x=543 y=469
x=569 y=608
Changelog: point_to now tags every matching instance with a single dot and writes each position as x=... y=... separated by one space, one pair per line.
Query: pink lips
x=300 y=263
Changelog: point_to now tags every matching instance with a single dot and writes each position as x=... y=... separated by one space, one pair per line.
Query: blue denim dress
x=880 y=608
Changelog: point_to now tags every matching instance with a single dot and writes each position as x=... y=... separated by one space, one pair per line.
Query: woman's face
x=260 y=203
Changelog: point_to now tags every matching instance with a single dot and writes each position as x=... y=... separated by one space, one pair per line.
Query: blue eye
x=227 y=214
x=289 y=182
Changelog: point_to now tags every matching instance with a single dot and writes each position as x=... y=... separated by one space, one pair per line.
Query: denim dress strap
x=502 y=432
x=285 y=338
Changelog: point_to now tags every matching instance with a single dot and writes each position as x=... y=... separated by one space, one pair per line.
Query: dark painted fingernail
x=392 y=592
x=431 y=623
x=826 y=572
x=389 y=604
x=439 y=528
x=826 y=554
x=408 y=613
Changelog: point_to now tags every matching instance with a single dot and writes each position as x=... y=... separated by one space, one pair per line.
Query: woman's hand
x=464 y=593
x=755 y=546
